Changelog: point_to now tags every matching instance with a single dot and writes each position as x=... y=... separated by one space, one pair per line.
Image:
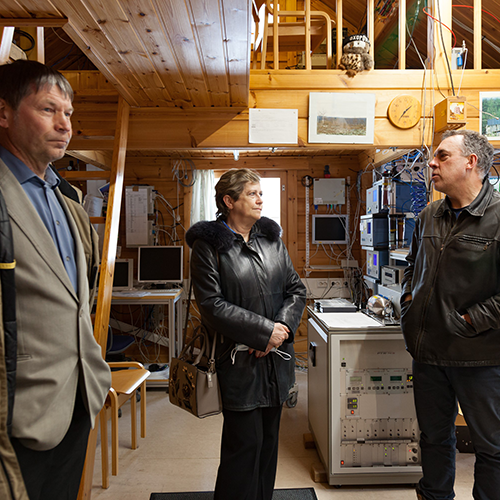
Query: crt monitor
x=160 y=264
x=123 y=275
x=330 y=229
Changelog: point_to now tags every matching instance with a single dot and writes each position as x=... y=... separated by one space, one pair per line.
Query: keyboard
x=159 y=292
x=127 y=293
x=144 y=292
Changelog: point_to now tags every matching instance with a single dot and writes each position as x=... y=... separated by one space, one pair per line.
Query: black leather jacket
x=454 y=268
x=242 y=289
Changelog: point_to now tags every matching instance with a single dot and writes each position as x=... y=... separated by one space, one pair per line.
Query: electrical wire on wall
x=447 y=59
x=184 y=171
x=484 y=38
x=147 y=330
x=20 y=34
x=307 y=182
x=165 y=232
x=411 y=40
x=414 y=165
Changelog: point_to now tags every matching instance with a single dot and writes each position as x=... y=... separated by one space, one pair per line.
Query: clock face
x=404 y=111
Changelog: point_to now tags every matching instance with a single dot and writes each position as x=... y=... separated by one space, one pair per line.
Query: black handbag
x=193 y=384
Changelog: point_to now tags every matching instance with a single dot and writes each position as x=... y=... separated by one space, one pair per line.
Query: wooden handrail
x=306 y=14
x=434 y=51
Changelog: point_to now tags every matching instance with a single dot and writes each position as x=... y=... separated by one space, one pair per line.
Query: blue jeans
x=437 y=390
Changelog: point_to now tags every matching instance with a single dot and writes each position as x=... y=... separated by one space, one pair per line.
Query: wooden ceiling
x=196 y=53
x=188 y=54
x=184 y=53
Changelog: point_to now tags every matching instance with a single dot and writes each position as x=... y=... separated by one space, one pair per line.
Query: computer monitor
x=123 y=277
x=330 y=229
x=160 y=264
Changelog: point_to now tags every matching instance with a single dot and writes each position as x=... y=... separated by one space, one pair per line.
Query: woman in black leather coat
x=249 y=294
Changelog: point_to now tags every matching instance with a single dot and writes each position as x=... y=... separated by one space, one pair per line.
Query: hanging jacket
x=242 y=290
x=11 y=481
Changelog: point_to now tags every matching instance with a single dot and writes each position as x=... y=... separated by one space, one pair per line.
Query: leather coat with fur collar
x=242 y=289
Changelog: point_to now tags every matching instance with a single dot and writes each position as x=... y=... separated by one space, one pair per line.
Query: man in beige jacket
x=61 y=379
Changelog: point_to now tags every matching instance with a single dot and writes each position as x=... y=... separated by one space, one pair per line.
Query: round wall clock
x=404 y=111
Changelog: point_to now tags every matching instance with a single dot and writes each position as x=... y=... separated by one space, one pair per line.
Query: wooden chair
x=304 y=34
x=124 y=385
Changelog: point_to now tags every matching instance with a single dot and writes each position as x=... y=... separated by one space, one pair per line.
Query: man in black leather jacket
x=451 y=316
x=250 y=294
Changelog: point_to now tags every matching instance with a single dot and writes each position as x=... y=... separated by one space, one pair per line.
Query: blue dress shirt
x=42 y=195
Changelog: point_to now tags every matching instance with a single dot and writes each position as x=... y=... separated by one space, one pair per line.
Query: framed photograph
x=489 y=115
x=341 y=117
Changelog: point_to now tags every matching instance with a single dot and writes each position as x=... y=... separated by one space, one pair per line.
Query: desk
x=158 y=297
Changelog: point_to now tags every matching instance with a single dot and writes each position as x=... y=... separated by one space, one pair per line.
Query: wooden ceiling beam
x=103 y=159
x=376 y=157
x=33 y=22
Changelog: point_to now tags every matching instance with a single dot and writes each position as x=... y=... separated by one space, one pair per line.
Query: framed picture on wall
x=336 y=117
x=489 y=116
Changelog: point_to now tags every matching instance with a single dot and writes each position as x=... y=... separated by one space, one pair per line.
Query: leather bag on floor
x=193 y=384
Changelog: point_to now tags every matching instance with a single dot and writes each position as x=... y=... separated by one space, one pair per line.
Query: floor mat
x=286 y=494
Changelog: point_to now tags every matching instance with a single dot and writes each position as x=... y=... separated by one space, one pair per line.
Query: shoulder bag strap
x=188 y=307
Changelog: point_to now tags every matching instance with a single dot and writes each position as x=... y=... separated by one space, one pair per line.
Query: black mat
x=288 y=494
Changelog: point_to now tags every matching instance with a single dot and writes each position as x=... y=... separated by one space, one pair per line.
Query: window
x=271 y=195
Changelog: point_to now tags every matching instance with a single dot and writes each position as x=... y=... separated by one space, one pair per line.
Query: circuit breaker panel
x=139 y=215
x=378 y=425
x=360 y=398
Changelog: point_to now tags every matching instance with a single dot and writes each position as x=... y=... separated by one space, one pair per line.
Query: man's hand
x=408 y=298
x=467 y=318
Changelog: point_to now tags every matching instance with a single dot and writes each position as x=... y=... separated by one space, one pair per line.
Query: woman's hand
x=279 y=335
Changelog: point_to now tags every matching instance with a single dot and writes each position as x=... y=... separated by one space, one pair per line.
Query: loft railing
x=435 y=24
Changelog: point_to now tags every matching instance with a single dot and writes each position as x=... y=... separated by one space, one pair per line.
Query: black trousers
x=249 y=454
x=55 y=474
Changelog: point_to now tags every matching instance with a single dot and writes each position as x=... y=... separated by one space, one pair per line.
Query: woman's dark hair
x=232 y=183
x=21 y=78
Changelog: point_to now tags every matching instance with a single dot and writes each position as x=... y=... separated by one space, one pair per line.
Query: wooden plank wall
x=158 y=173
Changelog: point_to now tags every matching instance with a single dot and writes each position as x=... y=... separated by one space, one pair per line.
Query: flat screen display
x=330 y=229
x=123 y=274
x=160 y=264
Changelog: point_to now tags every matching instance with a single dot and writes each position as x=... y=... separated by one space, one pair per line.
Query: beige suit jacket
x=56 y=347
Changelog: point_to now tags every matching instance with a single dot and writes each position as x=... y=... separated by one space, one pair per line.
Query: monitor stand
x=159 y=286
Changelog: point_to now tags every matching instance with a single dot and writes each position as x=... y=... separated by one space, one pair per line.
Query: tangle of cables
x=412 y=165
x=184 y=171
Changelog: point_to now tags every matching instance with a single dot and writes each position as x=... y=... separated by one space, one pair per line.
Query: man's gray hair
x=21 y=78
x=475 y=143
